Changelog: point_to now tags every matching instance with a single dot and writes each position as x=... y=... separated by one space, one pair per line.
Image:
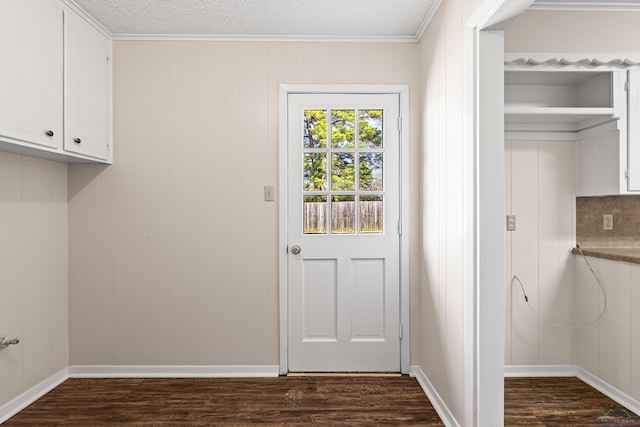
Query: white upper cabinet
x=87 y=89
x=596 y=105
x=31 y=72
x=560 y=101
x=634 y=130
x=55 y=83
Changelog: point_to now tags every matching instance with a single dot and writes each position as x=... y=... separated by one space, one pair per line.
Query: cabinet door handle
x=77 y=140
x=49 y=133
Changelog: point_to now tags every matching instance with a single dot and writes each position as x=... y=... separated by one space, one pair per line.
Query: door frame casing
x=403 y=93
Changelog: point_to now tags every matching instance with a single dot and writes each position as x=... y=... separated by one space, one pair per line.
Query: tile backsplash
x=626 y=221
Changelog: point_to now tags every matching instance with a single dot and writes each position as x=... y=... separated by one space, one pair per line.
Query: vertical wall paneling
x=635 y=333
x=293 y=69
x=310 y=61
x=131 y=113
x=212 y=174
x=557 y=185
x=37 y=289
x=609 y=348
x=182 y=247
x=352 y=60
x=11 y=318
x=615 y=333
x=252 y=174
x=59 y=274
x=233 y=204
x=33 y=271
x=432 y=341
x=273 y=255
x=440 y=209
x=379 y=68
x=593 y=303
x=105 y=233
x=138 y=181
x=183 y=94
x=508 y=259
x=580 y=313
x=541 y=187
x=84 y=298
x=159 y=140
x=525 y=253
x=327 y=62
x=454 y=218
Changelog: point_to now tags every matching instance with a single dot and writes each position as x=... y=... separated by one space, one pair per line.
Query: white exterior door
x=343 y=233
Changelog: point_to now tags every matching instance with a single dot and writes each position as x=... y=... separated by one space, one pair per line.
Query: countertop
x=616 y=254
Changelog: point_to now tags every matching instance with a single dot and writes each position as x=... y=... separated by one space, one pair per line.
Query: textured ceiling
x=271 y=18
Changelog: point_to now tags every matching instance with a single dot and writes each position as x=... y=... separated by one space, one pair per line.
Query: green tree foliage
x=343 y=136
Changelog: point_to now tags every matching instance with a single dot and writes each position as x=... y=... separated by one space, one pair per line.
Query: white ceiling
x=401 y=19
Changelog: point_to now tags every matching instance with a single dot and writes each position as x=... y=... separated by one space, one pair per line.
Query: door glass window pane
x=314 y=172
x=314 y=129
x=370 y=126
x=371 y=214
x=371 y=172
x=343 y=163
x=314 y=213
x=343 y=128
x=343 y=172
x=343 y=214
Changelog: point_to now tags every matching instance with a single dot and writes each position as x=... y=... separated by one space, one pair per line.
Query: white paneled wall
x=33 y=271
x=173 y=249
x=609 y=349
x=441 y=296
x=541 y=179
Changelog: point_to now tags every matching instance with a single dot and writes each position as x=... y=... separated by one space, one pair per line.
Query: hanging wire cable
x=559 y=325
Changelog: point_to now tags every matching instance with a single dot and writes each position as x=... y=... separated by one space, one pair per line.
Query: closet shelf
x=562 y=118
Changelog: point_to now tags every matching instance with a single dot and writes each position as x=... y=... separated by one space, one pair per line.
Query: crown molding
x=431 y=13
x=71 y=4
x=262 y=38
x=585 y=6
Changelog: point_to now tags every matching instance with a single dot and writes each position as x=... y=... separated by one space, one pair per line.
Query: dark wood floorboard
x=322 y=401
x=554 y=402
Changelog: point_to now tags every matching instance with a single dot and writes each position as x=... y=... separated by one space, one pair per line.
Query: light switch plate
x=269 y=195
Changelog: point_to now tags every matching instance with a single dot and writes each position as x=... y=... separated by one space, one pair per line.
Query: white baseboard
x=540 y=371
x=608 y=390
x=436 y=401
x=223 y=371
x=34 y=393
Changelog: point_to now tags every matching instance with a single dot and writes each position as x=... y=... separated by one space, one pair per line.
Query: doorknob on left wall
x=295 y=249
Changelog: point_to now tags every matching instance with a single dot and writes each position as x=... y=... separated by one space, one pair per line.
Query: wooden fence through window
x=343 y=217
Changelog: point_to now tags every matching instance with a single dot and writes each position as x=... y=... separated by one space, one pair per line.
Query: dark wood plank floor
x=322 y=401
x=554 y=402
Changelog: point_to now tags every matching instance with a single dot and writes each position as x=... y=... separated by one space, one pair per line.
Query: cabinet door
x=634 y=131
x=87 y=89
x=31 y=72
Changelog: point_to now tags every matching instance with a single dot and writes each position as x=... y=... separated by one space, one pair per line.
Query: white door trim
x=403 y=92
x=483 y=263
